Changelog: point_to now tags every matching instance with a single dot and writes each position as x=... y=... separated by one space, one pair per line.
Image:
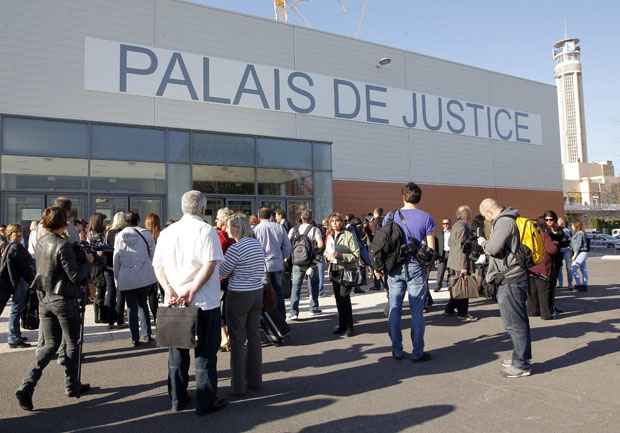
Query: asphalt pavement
x=320 y=383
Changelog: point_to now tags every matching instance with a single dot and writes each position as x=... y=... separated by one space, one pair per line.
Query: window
x=128 y=143
x=213 y=179
x=223 y=149
x=45 y=137
x=29 y=173
x=284 y=182
x=322 y=194
x=284 y=153
x=322 y=156
x=178 y=146
x=127 y=177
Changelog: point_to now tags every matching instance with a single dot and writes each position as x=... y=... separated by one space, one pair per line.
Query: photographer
x=58 y=283
x=459 y=261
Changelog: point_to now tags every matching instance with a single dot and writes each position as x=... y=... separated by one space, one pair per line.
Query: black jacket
x=18 y=266
x=58 y=270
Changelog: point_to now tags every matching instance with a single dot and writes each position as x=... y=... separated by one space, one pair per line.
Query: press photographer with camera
x=59 y=281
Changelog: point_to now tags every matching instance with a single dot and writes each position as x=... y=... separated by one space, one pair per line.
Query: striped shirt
x=244 y=266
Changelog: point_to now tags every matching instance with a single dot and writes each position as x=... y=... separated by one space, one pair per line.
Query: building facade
x=128 y=104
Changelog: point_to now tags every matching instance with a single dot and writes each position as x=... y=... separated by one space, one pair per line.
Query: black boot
x=24 y=398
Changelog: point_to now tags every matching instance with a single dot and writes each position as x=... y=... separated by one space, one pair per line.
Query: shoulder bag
x=466 y=287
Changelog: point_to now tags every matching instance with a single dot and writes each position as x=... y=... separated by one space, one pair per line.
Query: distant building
x=591 y=189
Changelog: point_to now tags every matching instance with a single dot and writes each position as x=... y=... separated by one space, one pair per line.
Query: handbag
x=177 y=327
x=466 y=287
x=30 y=314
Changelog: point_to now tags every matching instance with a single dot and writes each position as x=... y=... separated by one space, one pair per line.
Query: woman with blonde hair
x=580 y=246
x=244 y=266
x=114 y=299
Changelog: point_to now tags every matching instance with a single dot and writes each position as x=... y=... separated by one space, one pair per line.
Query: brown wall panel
x=360 y=197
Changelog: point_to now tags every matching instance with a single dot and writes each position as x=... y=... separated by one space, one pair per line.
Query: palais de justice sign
x=119 y=67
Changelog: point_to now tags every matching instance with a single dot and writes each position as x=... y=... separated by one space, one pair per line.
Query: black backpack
x=386 y=246
x=303 y=248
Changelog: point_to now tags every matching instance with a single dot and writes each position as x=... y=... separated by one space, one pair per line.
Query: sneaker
x=468 y=318
x=316 y=311
x=19 y=345
x=292 y=317
x=514 y=372
x=508 y=363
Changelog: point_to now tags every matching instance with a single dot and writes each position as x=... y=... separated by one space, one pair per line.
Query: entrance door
x=22 y=209
x=213 y=205
x=242 y=205
x=78 y=203
x=146 y=205
x=109 y=205
x=272 y=203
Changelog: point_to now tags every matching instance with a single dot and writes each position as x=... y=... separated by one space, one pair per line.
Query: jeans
x=243 y=314
x=567 y=255
x=320 y=267
x=410 y=278
x=205 y=353
x=276 y=282
x=579 y=266
x=60 y=320
x=512 y=300
x=136 y=301
x=19 y=302
x=298 y=274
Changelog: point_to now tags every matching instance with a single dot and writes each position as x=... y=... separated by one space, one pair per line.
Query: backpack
x=386 y=246
x=532 y=247
x=364 y=254
x=303 y=248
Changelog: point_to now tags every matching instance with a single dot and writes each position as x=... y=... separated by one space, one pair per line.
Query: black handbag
x=30 y=314
x=177 y=327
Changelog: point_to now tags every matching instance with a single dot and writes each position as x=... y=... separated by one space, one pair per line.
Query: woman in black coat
x=59 y=281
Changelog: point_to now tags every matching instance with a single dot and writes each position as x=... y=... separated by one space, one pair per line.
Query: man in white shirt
x=186 y=263
x=308 y=267
x=443 y=251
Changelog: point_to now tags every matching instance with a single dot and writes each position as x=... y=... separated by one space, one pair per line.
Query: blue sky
x=514 y=37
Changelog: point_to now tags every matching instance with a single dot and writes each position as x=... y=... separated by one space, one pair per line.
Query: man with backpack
x=307 y=243
x=395 y=252
x=507 y=271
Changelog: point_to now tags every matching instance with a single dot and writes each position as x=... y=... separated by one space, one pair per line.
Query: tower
x=567 y=71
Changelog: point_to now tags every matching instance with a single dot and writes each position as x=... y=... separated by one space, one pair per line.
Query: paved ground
x=322 y=384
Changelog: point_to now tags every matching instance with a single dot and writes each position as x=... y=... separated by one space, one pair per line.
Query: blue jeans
x=512 y=300
x=320 y=266
x=298 y=274
x=579 y=266
x=567 y=255
x=209 y=339
x=136 y=302
x=19 y=301
x=412 y=279
x=276 y=282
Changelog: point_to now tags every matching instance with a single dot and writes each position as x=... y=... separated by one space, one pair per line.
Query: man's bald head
x=490 y=209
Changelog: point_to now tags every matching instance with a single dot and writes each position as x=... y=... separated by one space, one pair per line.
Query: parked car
x=598 y=240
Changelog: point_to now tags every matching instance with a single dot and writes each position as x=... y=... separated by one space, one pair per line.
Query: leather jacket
x=59 y=272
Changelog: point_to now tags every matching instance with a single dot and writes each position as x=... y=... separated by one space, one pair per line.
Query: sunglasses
x=549 y=219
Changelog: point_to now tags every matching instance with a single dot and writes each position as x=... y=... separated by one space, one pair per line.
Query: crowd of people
x=225 y=271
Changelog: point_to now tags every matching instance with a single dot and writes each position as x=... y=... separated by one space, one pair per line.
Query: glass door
x=213 y=205
x=78 y=203
x=146 y=205
x=22 y=209
x=272 y=203
x=242 y=205
x=109 y=205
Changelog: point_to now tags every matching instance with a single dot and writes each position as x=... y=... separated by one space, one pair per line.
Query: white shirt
x=446 y=240
x=182 y=249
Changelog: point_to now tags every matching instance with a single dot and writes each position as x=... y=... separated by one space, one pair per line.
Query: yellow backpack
x=532 y=239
